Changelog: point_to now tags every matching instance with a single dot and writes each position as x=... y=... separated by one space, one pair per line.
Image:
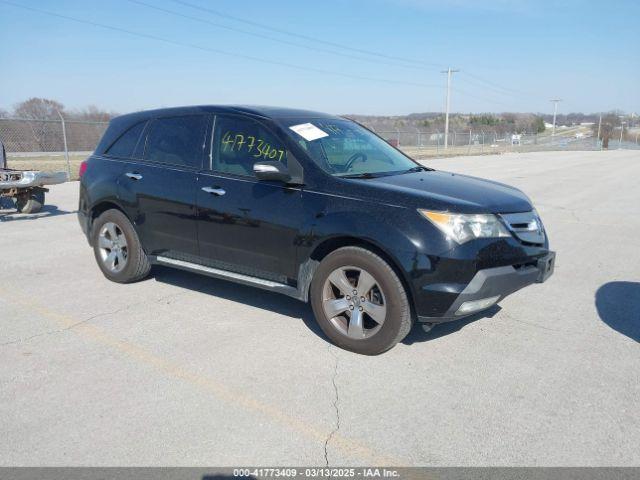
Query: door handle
x=214 y=191
x=134 y=176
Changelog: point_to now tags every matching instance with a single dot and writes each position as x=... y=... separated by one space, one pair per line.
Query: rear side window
x=177 y=141
x=239 y=142
x=123 y=146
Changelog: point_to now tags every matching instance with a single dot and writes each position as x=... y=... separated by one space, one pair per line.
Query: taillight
x=83 y=168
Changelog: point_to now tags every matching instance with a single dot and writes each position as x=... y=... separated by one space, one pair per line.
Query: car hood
x=445 y=191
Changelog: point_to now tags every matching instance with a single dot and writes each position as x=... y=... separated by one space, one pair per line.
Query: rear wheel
x=30 y=202
x=117 y=248
x=359 y=301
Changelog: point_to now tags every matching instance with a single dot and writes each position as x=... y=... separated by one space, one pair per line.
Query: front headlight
x=463 y=227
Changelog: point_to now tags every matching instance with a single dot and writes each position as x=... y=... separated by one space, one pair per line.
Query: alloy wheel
x=113 y=247
x=354 y=302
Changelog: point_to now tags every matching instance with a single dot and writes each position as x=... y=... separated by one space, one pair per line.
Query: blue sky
x=512 y=55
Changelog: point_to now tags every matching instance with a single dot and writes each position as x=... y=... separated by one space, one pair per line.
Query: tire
x=117 y=248
x=30 y=202
x=364 y=333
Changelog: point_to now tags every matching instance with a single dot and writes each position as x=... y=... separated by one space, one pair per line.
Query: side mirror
x=272 y=170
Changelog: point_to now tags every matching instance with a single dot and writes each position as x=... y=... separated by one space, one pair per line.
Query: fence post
x=66 y=150
x=469 y=146
x=437 y=142
x=482 y=147
x=398 y=136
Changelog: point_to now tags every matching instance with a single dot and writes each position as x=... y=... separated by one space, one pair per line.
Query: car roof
x=122 y=123
x=255 y=110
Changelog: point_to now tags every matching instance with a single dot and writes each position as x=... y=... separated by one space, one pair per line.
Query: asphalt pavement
x=181 y=369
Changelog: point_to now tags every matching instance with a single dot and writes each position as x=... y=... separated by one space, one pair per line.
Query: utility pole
x=555 y=112
x=448 y=71
x=66 y=150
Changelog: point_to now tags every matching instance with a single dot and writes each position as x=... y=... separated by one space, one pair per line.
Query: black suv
x=310 y=205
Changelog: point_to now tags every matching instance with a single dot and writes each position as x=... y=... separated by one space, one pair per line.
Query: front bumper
x=494 y=284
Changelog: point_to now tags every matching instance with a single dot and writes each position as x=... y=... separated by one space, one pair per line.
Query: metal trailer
x=27 y=187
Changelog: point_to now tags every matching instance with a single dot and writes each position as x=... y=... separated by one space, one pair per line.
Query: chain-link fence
x=49 y=144
x=472 y=142
x=22 y=135
x=60 y=144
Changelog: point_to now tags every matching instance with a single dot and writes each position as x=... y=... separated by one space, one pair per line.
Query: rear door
x=159 y=188
x=246 y=225
x=102 y=183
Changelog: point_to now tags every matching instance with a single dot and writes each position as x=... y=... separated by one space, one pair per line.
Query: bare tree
x=43 y=116
x=610 y=122
x=38 y=109
x=93 y=114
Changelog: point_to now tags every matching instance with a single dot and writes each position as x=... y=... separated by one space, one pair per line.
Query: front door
x=246 y=225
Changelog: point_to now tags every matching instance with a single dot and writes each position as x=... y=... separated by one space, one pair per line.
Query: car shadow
x=290 y=307
x=12 y=215
x=255 y=297
x=418 y=334
x=618 y=304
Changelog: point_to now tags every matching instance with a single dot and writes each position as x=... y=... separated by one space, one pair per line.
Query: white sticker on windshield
x=309 y=131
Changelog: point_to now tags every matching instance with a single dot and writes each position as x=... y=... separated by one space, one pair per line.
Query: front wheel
x=359 y=301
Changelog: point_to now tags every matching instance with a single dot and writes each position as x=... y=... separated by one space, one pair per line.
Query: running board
x=227 y=275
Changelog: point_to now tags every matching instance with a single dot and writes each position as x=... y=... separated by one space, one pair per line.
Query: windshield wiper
x=359 y=175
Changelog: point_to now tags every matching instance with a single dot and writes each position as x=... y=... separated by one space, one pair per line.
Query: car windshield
x=344 y=148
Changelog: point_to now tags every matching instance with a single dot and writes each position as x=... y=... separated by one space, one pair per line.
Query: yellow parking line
x=206 y=383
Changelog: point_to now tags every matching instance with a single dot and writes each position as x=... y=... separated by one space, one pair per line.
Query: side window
x=177 y=140
x=239 y=142
x=123 y=146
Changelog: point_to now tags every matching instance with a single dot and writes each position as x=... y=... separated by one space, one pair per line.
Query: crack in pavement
x=93 y=317
x=65 y=329
x=335 y=406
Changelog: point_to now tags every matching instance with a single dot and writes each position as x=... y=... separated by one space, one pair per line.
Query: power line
x=491 y=89
x=305 y=37
x=265 y=60
x=267 y=37
x=217 y=51
x=498 y=87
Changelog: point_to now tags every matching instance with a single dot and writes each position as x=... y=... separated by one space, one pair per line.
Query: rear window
x=177 y=141
x=123 y=146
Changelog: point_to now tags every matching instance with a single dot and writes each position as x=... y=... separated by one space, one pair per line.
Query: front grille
x=526 y=226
